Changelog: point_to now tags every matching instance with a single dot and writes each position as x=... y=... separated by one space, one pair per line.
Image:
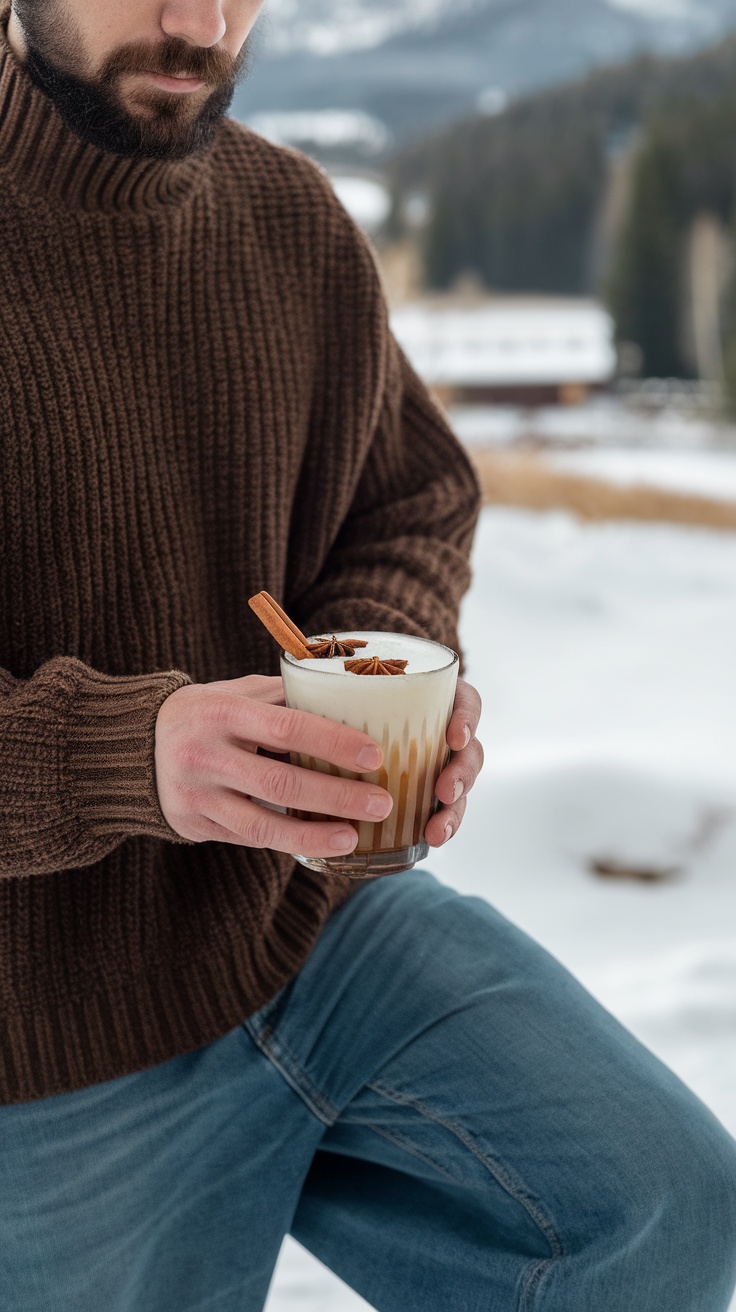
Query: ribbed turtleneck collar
x=42 y=155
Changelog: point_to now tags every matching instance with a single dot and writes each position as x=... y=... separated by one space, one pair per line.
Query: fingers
x=211 y=788
x=236 y=820
x=280 y=729
x=463 y=769
x=305 y=790
x=465 y=716
x=444 y=823
x=460 y=774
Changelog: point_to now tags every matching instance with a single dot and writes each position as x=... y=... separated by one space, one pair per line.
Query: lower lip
x=176 y=84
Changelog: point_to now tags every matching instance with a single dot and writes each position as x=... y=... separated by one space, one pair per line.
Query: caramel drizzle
x=411 y=780
x=374 y=665
x=332 y=647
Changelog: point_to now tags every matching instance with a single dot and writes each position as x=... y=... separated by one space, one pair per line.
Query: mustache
x=174 y=58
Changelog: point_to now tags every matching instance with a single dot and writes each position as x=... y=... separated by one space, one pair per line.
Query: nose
x=201 y=22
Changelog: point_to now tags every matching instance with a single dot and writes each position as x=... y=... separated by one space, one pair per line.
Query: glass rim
x=314 y=667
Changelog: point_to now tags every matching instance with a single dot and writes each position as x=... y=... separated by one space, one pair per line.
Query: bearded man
x=204 y=1044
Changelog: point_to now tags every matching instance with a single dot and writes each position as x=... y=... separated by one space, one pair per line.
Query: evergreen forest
x=589 y=189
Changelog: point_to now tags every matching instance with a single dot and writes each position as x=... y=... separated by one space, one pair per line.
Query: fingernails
x=466 y=736
x=379 y=805
x=457 y=790
x=369 y=758
x=448 y=832
x=343 y=840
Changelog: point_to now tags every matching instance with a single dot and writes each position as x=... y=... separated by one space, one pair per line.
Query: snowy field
x=605 y=656
x=705 y=472
x=603 y=421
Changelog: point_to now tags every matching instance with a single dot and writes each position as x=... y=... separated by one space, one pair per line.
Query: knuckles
x=188 y=799
x=258 y=830
x=346 y=802
x=193 y=757
x=279 y=785
x=306 y=844
x=286 y=785
x=281 y=726
x=218 y=711
x=334 y=748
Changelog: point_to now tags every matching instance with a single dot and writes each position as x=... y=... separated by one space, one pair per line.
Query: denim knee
x=702 y=1204
x=676 y=1233
x=653 y=1227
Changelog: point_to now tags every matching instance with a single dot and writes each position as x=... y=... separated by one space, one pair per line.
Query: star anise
x=331 y=647
x=374 y=665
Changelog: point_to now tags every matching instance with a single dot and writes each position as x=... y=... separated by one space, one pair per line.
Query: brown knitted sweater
x=199 y=398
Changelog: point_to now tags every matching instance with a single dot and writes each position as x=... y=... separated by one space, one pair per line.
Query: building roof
x=507 y=341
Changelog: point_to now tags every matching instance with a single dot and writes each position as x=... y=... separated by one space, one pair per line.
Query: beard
x=169 y=126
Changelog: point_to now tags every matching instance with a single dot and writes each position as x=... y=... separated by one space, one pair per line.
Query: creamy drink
x=406 y=713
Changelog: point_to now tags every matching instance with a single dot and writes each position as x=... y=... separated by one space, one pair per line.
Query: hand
x=463 y=768
x=211 y=780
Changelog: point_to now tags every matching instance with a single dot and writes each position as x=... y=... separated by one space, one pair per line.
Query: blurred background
x=550 y=186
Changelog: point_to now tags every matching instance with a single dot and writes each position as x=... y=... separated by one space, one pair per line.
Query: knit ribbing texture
x=199 y=398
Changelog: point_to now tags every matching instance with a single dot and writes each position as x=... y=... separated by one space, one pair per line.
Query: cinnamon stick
x=280 y=626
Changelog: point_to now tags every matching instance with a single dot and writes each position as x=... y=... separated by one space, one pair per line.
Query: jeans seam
x=409 y=1147
x=500 y=1173
x=293 y=1072
x=532 y=1282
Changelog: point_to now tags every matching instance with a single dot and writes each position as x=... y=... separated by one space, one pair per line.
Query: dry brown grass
x=526 y=481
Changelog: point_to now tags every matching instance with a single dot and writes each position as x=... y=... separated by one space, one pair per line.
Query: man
x=204 y=1045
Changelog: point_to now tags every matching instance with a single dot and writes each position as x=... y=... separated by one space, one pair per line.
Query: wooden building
x=518 y=350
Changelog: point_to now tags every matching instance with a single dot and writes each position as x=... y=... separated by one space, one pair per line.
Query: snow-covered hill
x=414 y=65
x=323 y=28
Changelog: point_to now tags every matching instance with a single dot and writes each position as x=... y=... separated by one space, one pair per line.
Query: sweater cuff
x=110 y=753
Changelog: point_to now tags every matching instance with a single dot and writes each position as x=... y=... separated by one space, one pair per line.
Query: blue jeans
x=434 y=1107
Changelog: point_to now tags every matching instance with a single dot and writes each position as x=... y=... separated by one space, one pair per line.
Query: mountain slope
x=418 y=64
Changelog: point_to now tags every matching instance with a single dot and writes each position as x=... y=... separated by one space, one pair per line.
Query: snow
x=302 y=1284
x=508 y=341
x=605 y=655
x=492 y=101
x=660 y=9
x=606 y=420
x=327 y=128
x=323 y=28
x=706 y=473
x=367 y=201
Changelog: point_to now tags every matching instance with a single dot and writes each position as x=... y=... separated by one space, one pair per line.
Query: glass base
x=366 y=865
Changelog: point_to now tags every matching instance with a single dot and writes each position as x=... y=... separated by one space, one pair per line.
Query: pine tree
x=645 y=287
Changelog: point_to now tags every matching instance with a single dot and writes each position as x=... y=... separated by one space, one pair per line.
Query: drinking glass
x=407 y=715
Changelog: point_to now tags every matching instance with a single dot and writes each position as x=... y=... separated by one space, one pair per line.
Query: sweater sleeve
x=77 y=767
x=401 y=560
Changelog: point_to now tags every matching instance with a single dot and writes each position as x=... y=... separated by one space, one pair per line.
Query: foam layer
x=423 y=656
